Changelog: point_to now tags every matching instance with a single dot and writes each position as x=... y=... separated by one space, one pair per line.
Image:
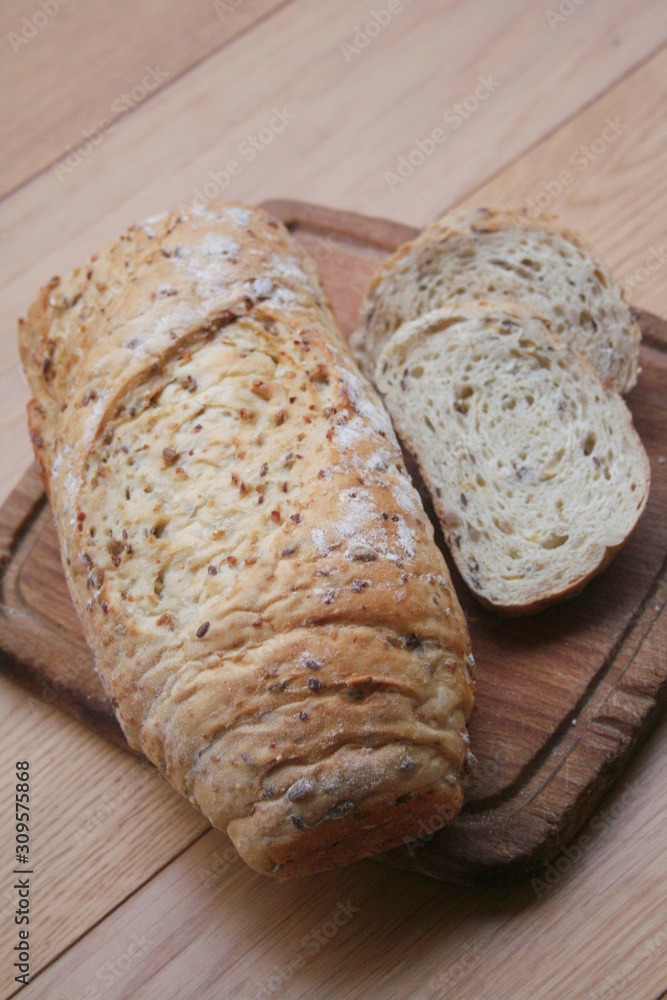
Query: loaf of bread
x=253 y=569
x=492 y=255
x=535 y=470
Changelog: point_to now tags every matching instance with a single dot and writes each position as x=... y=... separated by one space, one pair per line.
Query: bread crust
x=462 y=223
x=253 y=570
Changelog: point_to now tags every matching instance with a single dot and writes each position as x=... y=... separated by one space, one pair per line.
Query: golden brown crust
x=610 y=338
x=253 y=570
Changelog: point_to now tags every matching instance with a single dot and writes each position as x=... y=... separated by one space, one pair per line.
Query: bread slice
x=534 y=467
x=495 y=255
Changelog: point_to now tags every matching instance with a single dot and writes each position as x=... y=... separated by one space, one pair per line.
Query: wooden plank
x=412 y=73
x=226 y=931
x=616 y=192
x=427 y=59
x=94 y=838
x=144 y=165
x=564 y=696
x=67 y=81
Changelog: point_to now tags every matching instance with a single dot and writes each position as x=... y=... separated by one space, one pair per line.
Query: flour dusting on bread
x=251 y=565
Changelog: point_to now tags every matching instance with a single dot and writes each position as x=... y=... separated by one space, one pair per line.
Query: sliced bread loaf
x=534 y=467
x=494 y=255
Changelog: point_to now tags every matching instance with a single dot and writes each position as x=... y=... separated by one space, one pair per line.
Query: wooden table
x=120 y=108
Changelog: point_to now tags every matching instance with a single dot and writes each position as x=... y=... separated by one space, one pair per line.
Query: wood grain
x=353 y=127
x=338 y=147
x=66 y=80
x=210 y=927
x=94 y=838
x=428 y=59
x=565 y=696
x=627 y=172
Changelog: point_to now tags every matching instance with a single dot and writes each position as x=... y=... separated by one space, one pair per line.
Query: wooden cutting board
x=564 y=697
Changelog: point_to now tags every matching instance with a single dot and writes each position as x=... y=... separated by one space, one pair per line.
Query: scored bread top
x=498 y=255
x=149 y=288
x=533 y=465
x=252 y=567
